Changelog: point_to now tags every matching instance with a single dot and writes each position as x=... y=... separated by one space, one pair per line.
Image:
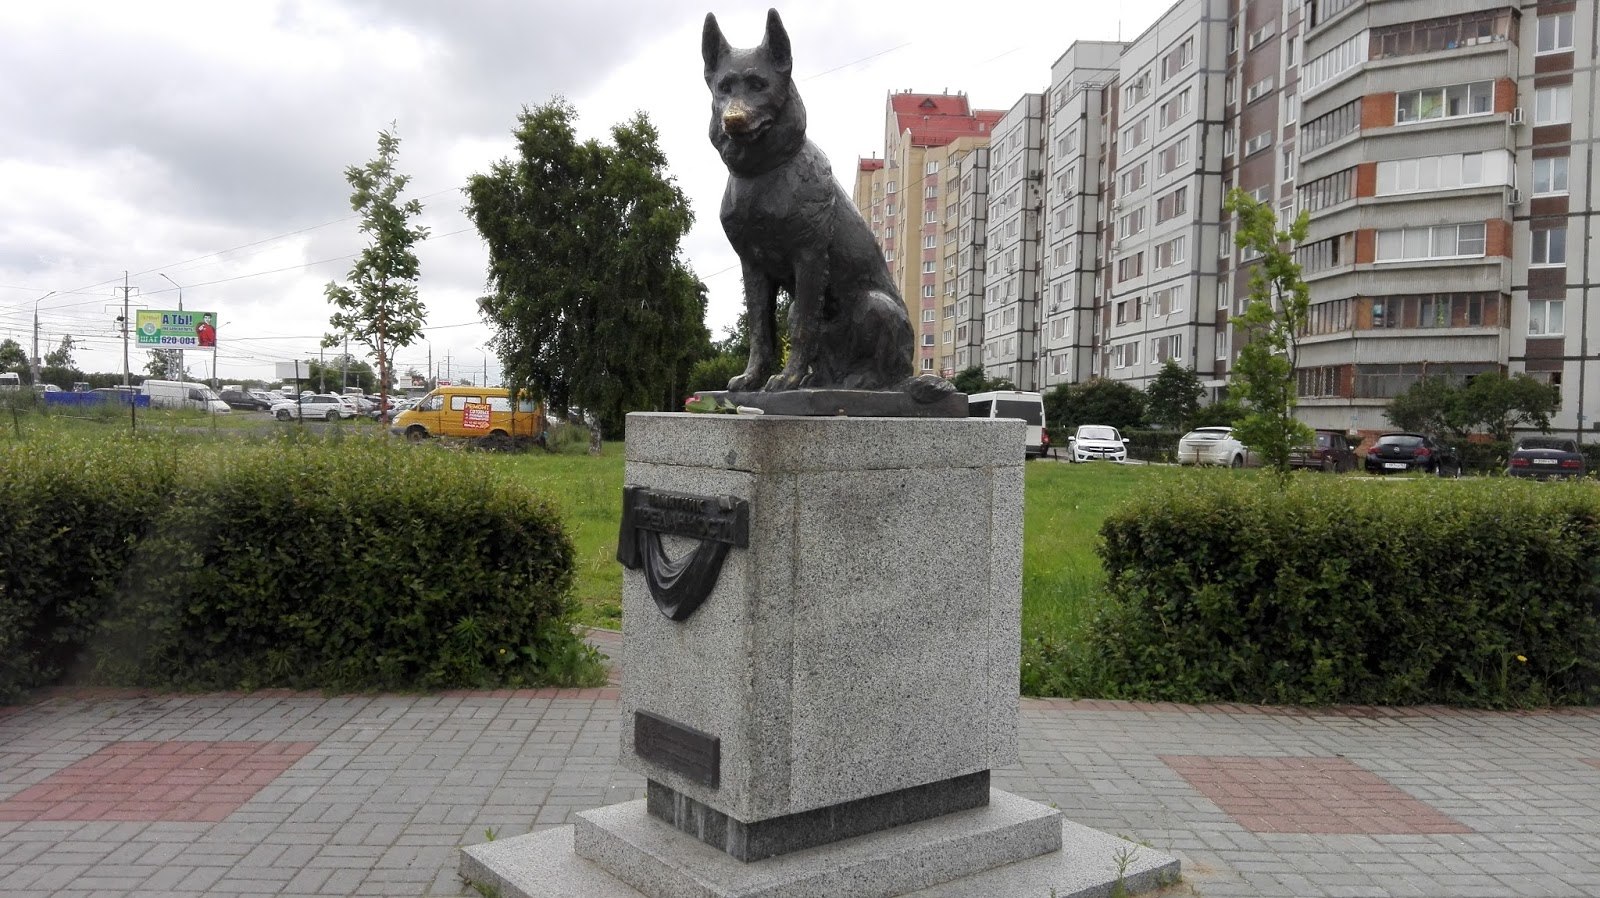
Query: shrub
x=1342 y=590
x=74 y=510
x=295 y=563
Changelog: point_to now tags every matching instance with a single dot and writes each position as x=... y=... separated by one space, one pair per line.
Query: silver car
x=1214 y=446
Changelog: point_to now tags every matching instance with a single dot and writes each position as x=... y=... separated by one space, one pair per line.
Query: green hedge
x=1345 y=590
x=293 y=563
x=1143 y=445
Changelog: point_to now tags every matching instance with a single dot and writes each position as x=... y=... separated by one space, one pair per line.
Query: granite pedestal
x=825 y=721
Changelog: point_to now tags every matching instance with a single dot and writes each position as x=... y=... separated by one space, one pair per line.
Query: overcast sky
x=206 y=141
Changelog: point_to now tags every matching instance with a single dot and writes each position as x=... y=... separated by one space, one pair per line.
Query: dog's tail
x=926 y=388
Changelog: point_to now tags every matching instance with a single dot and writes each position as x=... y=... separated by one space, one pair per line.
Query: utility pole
x=182 y=372
x=345 y=386
x=127 y=371
x=36 y=333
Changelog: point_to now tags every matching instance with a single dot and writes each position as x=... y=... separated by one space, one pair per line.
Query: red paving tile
x=1308 y=795
x=157 y=781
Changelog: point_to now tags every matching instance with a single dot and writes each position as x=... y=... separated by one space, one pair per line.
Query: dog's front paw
x=787 y=380
x=744 y=383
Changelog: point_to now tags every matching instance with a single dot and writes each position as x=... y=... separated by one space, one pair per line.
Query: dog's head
x=757 y=119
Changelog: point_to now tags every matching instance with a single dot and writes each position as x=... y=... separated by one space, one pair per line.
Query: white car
x=1214 y=446
x=315 y=407
x=1097 y=442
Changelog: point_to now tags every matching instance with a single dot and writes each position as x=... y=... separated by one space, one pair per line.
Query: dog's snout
x=736 y=117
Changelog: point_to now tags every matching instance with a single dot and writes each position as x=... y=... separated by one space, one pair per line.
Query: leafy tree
x=64 y=376
x=1173 y=397
x=713 y=373
x=1271 y=324
x=1222 y=413
x=592 y=303
x=61 y=356
x=381 y=309
x=14 y=358
x=330 y=375
x=166 y=364
x=972 y=380
x=1432 y=406
x=1499 y=404
x=1096 y=401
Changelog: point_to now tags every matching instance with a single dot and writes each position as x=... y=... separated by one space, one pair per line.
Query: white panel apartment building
x=1072 y=210
x=1016 y=200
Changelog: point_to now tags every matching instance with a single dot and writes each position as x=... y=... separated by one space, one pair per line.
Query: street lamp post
x=36 y=333
x=182 y=368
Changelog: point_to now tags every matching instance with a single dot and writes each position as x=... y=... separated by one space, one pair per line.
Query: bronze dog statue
x=795 y=229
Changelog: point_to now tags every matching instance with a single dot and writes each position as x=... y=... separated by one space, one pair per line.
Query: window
x=1550 y=175
x=932 y=167
x=1549 y=247
x=1259 y=89
x=1172 y=156
x=1291 y=107
x=890 y=189
x=1552 y=105
x=929 y=267
x=1440 y=242
x=1224 y=293
x=1125 y=355
x=1175 y=108
x=1128 y=310
x=1323 y=255
x=927 y=364
x=1131 y=224
x=928 y=315
x=1330 y=65
x=1172 y=205
x=1168 y=347
x=1331 y=191
x=927 y=291
x=1130 y=266
x=1258 y=143
x=1261 y=35
x=927 y=339
x=1136 y=90
x=1135 y=134
x=1168 y=300
x=1288 y=164
x=929 y=242
x=1170 y=253
x=932 y=193
x=1221 y=343
x=930 y=217
x=1325 y=129
x=1132 y=179
x=1555 y=33
x=1454 y=101
x=1177 y=60
x=1545 y=317
x=1440 y=34
x=1444 y=172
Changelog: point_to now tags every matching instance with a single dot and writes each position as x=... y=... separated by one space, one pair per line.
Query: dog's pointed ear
x=713 y=46
x=776 y=42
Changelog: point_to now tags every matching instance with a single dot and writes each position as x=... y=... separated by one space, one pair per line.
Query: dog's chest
x=778 y=214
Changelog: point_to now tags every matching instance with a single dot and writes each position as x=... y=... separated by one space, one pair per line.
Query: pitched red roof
x=937 y=119
x=871 y=164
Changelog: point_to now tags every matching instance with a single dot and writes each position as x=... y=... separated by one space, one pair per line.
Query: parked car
x=1399 y=452
x=317 y=406
x=470 y=412
x=183 y=395
x=244 y=401
x=1214 y=446
x=1546 y=458
x=1329 y=451
x=1094 y=442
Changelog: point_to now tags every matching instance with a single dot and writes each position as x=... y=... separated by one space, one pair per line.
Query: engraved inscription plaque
x=679 y=586
x=679 y=748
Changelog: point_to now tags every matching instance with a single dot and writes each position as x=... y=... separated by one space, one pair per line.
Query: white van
x=181 y=394
x=1029 y=407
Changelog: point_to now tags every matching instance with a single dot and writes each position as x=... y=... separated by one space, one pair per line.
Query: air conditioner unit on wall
x=1514 y=198
x=1516 y=116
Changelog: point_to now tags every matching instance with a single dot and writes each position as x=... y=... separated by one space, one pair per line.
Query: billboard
x=167 y=329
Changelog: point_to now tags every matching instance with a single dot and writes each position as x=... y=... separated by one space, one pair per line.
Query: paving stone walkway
x=272 y=793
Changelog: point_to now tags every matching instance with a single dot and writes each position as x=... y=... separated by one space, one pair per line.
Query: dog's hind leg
x=761 y=308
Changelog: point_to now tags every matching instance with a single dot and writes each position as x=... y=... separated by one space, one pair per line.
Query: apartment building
x=906 y=198
x=1011 y=254
x=964 y=334
x=1071 y=231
